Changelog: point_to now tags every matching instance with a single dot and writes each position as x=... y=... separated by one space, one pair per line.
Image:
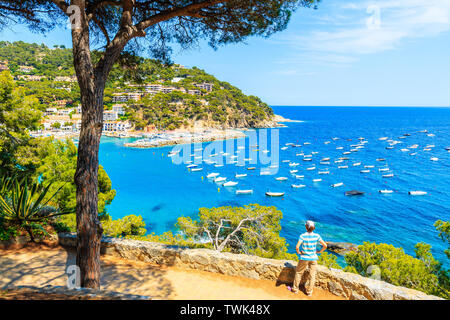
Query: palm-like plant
x=27 y=204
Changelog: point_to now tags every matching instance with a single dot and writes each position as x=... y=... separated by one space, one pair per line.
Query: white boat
x=286 y=161
x=220 y=179
x=365 y=171
x=281 y=178
x=383 y=138
x=369 y=166
x=240 y=175
x=299 y=176
x=390 y=175
x=298 y=185
x=317 y=180
x=383 y=169
x=265 y=151
x=306 y=143
x=339 y=184
x=196 y=169
x=324 y=172
x=417 y=193
x=293 y=171
x=342 y=167
x=293 y=164
x=339 y=148
x=338 y=161
x=265 y=173
x=386 y=191
x=434 y=159
x=357 y=164
x=325 y=159
x=325 y=162
x=307 y=159
x=230 y=184
x=274 y=194
x=191 y=166
x=213 y=175
x=311 y=168
x=346 y=152
x=247 y=191
x=284 y=148
x=404 y=150
x=218 y=165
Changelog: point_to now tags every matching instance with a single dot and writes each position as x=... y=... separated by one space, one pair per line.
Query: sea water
x=149 y=184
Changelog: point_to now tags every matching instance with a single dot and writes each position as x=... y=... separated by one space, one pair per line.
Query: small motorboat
x=434 y=159
x=285 y=161
x=325 y=159
x=230 y=184
x=298 y=186
x=281 y=178
x=307 y=159
x=212 y=175
x=317 y=180
x=196 y=169
x=284 y=148
x=251 y=168
x=339 y=161
x=342 y=167
x=417 y=193
x=325 y=162
x=354 y=193
x=383 y=138
x=324 y=172
x=447 y=148
x=383 y=169
x=339 y=184
x=293 y=171
x=239 y=175
x=311 y=168
x=265 y=173
x=218 y=165
x=299 y=176
x=220 y=179
x=274 y=194
x=365 y=171
x=346 y=152
x=191 y=166
x=357 y=164
x=390 y=148
x=381 y=159
x=369 y=166
x=404 y=150
x=247 y=191
x=390 y=175
x=339 y=148
x=385 y=191
x=293 y=164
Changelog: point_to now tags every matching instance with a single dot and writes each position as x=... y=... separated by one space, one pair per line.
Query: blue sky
x=346 y=53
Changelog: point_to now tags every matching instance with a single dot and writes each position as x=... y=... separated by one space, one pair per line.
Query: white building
x=110 y=115
x=112 y=126
x=119 y=108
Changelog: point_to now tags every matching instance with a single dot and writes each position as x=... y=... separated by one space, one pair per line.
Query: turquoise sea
x=148 y=183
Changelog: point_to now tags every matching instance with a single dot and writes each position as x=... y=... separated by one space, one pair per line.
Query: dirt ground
x=41 y=265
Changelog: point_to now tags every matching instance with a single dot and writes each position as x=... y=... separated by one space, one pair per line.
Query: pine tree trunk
x=89 y=229
x=91 y=81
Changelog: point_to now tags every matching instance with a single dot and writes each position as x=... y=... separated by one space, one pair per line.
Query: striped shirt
x=309 y=246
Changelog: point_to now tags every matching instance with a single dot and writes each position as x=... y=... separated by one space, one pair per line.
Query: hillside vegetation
x=49 y=76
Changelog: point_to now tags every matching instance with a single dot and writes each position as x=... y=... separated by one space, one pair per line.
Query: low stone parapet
x=338 y=282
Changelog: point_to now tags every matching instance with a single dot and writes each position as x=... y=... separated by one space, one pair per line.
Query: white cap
x=310 y=224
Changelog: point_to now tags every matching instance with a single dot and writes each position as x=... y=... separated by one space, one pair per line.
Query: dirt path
x=43 y=266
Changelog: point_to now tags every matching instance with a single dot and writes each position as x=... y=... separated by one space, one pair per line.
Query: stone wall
x=347 y=285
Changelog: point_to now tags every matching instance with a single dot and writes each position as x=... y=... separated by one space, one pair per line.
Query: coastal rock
x=341 y=248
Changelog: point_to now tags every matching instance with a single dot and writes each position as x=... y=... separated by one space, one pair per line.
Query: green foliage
x=18 y=115
x=444 y=233
x=56 y=160
x=251 y=229
x=28 y=205
x=421 y=272
x=328 y=260
x=127 y=226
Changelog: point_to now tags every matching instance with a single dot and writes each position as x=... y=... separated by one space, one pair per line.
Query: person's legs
x=301 y=267
x=312 y=277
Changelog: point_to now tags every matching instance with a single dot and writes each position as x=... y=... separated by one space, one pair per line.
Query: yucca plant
x=27 y=205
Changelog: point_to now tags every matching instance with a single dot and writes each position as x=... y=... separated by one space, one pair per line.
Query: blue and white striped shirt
x=309 y=246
